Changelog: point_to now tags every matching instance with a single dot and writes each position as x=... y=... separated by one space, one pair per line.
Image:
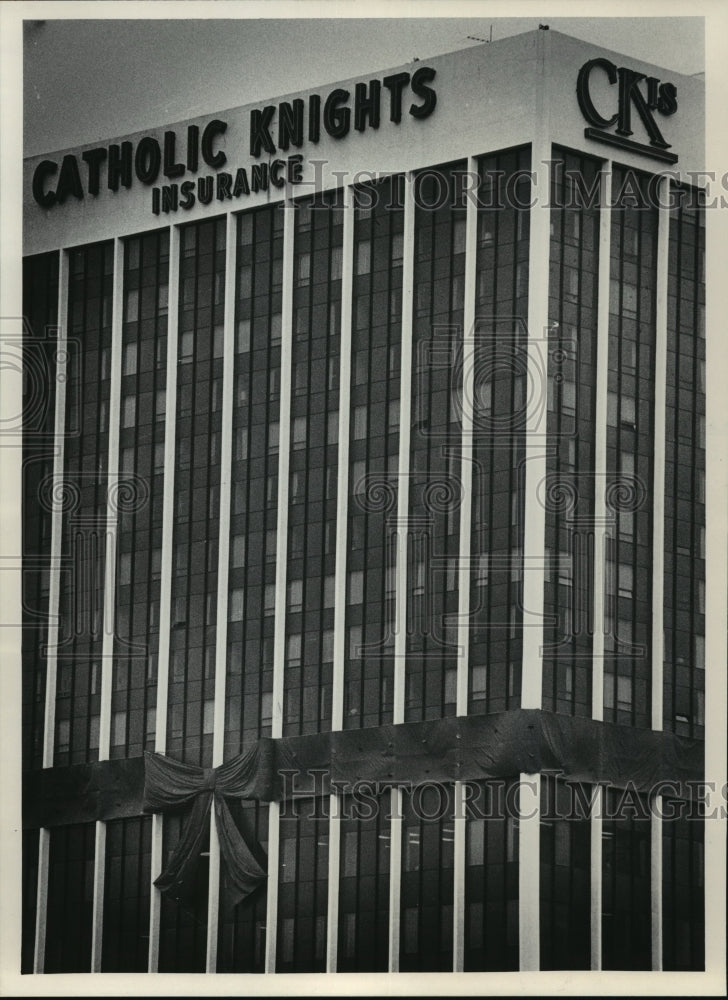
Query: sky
x=87 y=80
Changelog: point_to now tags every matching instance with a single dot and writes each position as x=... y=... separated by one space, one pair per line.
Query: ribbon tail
x=243 y=871
x=178 y=878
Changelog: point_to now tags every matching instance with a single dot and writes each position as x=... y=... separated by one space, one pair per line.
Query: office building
x=364 y=476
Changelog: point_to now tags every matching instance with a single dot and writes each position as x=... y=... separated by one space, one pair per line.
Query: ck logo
x=631 y=98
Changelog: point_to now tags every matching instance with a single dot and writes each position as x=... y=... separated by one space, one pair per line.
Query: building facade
x=366 y=434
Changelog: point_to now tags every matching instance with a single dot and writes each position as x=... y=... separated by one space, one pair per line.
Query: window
x=124 y=568
x=299 y=433
x=355 y=642
x=273 y=437
x=238 y=551
x=298 y=538
x=237 y=604
x=360 y=423
x=129 y=411
x=625 y=580
x=362 y=257
x=627 y=412
x=293 y=650
x=129 y=366
x=361 y=368
x=297 y=480
x=565 y=569
x=568 y=398
x=63 y=735
x=356 y=587
x=358 y=477
x=241 y=444
x=481 y=571
x=329 y=591
x=624 y=694
x=186 y=346
x=118 y=729
x=418 y=587
x=295 y=595
x=327 y=646
x=160 y=405
x=269 y=599
x=242 y=340
x=332 y=427
x=300 y=378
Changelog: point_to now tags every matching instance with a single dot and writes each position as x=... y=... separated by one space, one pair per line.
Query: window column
x=400 y=608
x=107 y=642
x=340 y=571
x=600 y=525
x=49 y=721
x=279 y=641
x=464 y=556
x=165 y=598
x=223 y=566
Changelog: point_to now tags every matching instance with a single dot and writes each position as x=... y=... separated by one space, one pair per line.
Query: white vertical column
x=395 y=876
x=658 y=475
x=400 y=603
x=658 y=549
x=656 y=881
x=54 y=591
x=165 y=589
x=223 y=569
x=109 y=609
x=279 y=640
x=529 y=863
x=536 y=409
x=600 y=441
x=535 y=513
x=464 y=553
x=342 y=485
x=405 y=423
x=595 y=903
x=600 y=527
x=342 y=516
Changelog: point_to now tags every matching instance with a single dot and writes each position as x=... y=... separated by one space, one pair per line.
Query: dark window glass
x=183 y=927
x=302 y=887
x=363 y=942
x=70 y=898
x=570 y=350
x=565 y=877
x=242 y=929
x=684 y=599
x=428 y=837
x=491 y=879
x=434 y=493
x=316 y=335
x=683 y=887
x=373 y=455
x=630 y=445
x=40 y=309
x=499 y=424
x=626 y=882
x=126 y=895
x=84 y=520
x=139 y=527
x=197 y=492
x=256 y=415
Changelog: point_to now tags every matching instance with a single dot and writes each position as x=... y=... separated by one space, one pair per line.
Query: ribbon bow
x=171 y=784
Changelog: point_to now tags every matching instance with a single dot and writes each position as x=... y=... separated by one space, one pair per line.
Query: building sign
x=631 y=99
x=273 y=130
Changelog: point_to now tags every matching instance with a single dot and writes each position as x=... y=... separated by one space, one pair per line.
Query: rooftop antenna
x=475 y=38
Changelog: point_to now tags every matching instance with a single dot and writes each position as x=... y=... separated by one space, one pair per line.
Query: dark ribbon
x=170 y=784
x=468 y=748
